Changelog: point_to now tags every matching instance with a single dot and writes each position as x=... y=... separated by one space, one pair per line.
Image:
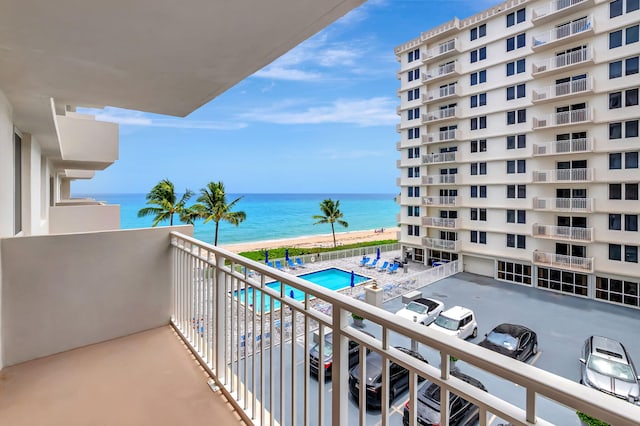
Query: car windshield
x=328 y=348
x=504 y=340
x=417 y=308
x=448 y=323
x=610 y=368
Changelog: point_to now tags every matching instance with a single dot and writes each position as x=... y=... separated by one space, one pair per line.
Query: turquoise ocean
x=272 y=216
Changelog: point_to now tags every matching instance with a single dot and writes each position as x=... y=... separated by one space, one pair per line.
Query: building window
x=629 y=66
x=516 y=141
x=413 y=172
x=631 y=160
x=479 y=123
x=615 y=161
x=617 y=7
x=516 y=166
x=514 y=272
x=630 y=191
x=479 y=191
x=413 y=94
x=413 y=230
x=518 y=91
x=516 y=216
x=516 y=67
x=519 y=116
x=478 y=100
x=516 y=241
x=413 y=191
x=516 y=191
x=414 y=55
x=618 y=291
x=479 y=237
x=413 y=211
x=413 y=152
x=630 y=35
x=17 y=186
x=413 y=113
x=631 y=129
x=478 y=77
x=563 y=281
x=479 y=145
x=478 y=168
x=615 y=191
x=478 y=54
x=413 y=133
x=516 y=42
x=477 y=32
x=615 y=222
x=479 y=214
x=413 y=75
x=631 y=97
x=516 y=17
x=631 y=222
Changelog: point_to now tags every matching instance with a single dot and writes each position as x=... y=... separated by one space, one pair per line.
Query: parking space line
x=491 y=419
x=535 y=358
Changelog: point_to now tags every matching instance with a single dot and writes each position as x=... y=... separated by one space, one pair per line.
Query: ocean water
x=272 y=216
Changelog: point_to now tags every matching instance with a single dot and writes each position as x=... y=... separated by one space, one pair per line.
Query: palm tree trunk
x=171 y=220
x=334 y=236
x=215 y=241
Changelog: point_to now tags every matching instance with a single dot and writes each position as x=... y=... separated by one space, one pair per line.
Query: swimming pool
x=332 y=279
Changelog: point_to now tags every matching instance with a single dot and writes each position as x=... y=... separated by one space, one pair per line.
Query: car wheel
x=534 y=350
x=475 y=332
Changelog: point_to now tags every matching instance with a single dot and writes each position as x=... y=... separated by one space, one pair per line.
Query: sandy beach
x=325 y=240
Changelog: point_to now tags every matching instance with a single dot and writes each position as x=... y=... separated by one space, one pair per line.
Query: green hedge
x=278 y=253
x=591 y=421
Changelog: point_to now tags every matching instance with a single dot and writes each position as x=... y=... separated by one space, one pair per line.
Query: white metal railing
x=441 y=49
x=251 y=349
x=438 y=244
x=439 y=201
x=563 y=31
x=582 y=264
x=438 y=179
x=563 y=175
x=441 y=157
x=568 y=146
x=553 y=7
x=440 y=114
x=563 y=232
x=440 y=71
x=440 y=93
x=584 y=205
x=439 y=222
x=563 y=118
x=442 y=136
x=563 y=89
x=564 y=60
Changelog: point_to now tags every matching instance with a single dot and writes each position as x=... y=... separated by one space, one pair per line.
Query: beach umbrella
x=286 y=254
x=292 y=294
x=266 y=256
x=378 y=253
x=353 y=280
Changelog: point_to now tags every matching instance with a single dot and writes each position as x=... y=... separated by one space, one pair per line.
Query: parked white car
x=422 y=310
x=457 y=321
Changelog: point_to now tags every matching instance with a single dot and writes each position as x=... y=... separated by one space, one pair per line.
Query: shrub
x=591 y=421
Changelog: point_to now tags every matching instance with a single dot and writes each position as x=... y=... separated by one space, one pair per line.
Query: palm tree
x=212 y=206
x=163 y=197
x=332 y=214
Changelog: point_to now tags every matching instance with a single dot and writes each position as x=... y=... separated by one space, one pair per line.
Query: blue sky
x=320 y=119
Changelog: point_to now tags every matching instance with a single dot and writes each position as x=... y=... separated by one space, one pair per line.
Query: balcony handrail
x=564 y=232
x=212 y=323
x=439 y=157
x=564 y=118
x=563 y=261
x=570 y=204
x=564 y=89
x=440 y=71
x=438 y=179
x=440 y=93
x=567 y=146
x=439 y=222
x=439 y=201
x=440 y=114
x=441 y=49
x=563 y=31
x=437 y=243
x=564 y=175
x=566 y=59
x=554 y=6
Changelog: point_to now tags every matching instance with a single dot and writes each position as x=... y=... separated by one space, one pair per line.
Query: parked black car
x=398 y=378
x=461 y=411
x=512 y=340
x=354 y=353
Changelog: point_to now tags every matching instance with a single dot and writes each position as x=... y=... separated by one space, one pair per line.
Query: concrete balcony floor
x=149 y=378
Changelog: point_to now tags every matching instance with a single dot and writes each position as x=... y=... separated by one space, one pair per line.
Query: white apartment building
x=519 y=145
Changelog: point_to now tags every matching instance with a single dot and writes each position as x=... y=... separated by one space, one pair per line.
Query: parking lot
x=562 y=323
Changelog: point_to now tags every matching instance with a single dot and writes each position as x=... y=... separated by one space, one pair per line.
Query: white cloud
x=361 y=112
x=290 y=74
x=136 y=118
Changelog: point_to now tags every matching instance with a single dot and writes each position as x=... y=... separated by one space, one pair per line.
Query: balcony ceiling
x=158 y=56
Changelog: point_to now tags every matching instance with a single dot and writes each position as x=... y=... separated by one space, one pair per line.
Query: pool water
x=332 y=279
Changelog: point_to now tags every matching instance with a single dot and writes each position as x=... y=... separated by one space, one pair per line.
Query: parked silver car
x=606 y=365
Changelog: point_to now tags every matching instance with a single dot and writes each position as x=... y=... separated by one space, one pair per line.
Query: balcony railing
x=552 y=9
x=443 y=92
x=564 y=118
x=440 y=72
x=443 y=136
x=439 y=201
x=559 y=62
x=569 y=146
x=247 y=335
x=563 y=90
x=438 y=244
x=441 y=114
x=563 y=175
x=573 y=263
x=580 y=205
x=439 y=222
x=563 y=232
x=442 y=157
x=442 y=50
x=438 y=179
x=563 y=32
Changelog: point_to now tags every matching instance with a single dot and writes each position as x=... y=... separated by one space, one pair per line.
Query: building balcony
x=561 y=261
x=443 y=136
x=438 y=244
x=569 y=32
x=570 y=146
x=563 y=63
x=565 y=233
x=86 y=144
x=439 y=201
x=564 y=118
x=563 y=175
x=438 y=158
x=578 y=205
x=439 y=222
x=441 y=72
x=438 y=179
x=442 y=94
x=83 y=216
x=562 y=91
x=440 y=115
x=442 y=51
x=557 y=9
x=408 y=143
